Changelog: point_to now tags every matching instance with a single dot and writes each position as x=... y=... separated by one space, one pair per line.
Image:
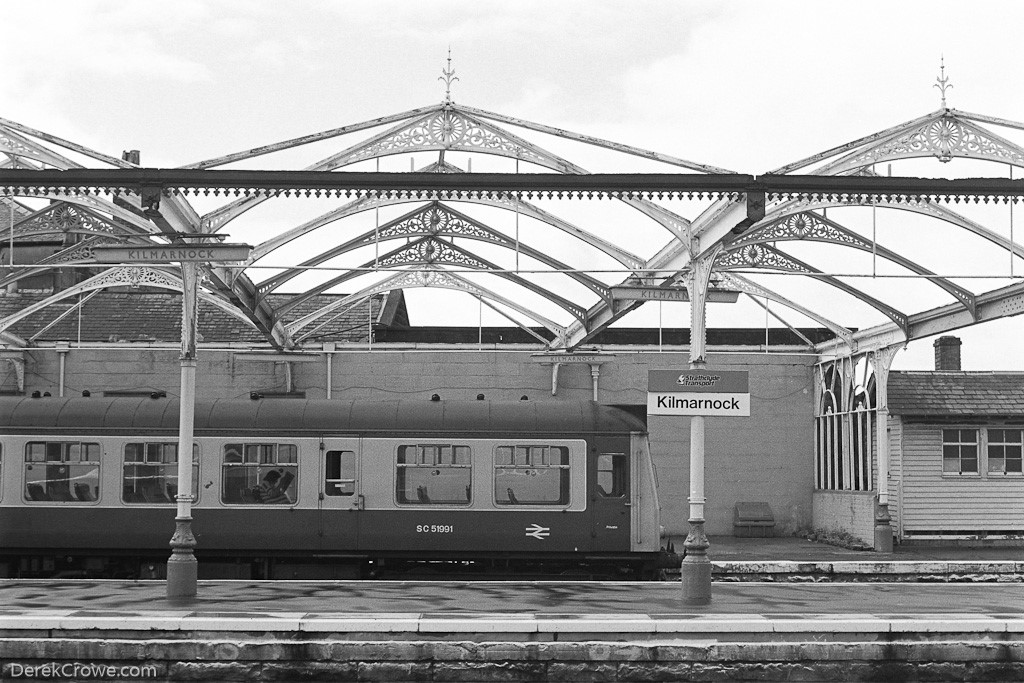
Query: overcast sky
x=748 y=86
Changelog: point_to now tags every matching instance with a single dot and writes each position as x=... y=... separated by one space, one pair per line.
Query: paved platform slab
x=242 y=599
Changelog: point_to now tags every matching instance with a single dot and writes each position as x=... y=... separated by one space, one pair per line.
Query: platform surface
x=417 y=606
x=641 y=607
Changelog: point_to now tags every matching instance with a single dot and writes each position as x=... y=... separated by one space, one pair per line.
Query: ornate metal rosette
x=753 y=254
x=66 y=218
x=945 y=136
x=428 y=251
x=434 y=220
x=801 y=225
x=447 y=128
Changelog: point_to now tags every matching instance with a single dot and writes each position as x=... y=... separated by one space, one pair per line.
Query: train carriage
x=294 y=488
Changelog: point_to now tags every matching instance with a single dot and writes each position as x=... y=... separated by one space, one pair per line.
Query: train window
x=531 y=475
x=65 y=471
x=259 y=473
x=611 y=474
x=340 y=473
x=151 y=472
x=433 y=474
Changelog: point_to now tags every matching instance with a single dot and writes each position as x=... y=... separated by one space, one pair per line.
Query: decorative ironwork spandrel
x=943 y=138
x=758 y=256
x=447 y=129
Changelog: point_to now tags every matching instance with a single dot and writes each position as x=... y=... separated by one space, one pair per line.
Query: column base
x=695 y=573
x=182 y=577
x=695 y=570
x=182 y=567
x=883 y=529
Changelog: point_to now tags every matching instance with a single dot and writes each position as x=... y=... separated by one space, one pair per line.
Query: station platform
x=797 y=559
x=533 y=631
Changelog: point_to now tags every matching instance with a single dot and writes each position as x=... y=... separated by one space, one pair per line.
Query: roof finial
x=448 y=77
x=942 y=83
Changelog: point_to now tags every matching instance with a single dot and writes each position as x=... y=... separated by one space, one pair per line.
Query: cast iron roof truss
x=739 y=228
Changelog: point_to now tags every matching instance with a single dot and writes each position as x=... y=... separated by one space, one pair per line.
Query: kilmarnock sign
x=635 y=293
x=171 y=253
x=560 y=357
x=698 y=392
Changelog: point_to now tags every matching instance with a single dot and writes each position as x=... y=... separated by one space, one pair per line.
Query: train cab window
x=259 y=474
x=531 y=475
x=433 y=474
x=151 y=472
x=611 y=474
x=340 y=473
x=65 y=471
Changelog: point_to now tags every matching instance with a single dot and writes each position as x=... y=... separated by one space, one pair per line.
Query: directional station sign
x=171 y=253
x=698 y=392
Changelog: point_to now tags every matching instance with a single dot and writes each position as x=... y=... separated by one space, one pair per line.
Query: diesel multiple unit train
x=295 y=488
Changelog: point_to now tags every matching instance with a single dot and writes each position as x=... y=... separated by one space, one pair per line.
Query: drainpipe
x=329 y=358
x=63 y=348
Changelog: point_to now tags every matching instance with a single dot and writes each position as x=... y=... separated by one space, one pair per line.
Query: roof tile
x=956 y=393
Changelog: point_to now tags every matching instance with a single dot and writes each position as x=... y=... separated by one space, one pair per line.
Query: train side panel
x=341 y=496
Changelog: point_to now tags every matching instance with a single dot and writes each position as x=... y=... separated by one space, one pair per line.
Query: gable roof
x=956 y=393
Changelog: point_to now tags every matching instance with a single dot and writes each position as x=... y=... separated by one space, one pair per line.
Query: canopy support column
x=883 y=521
x=182 y=568
x=696 y=567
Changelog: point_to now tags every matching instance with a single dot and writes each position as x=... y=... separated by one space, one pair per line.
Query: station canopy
x=874 y=268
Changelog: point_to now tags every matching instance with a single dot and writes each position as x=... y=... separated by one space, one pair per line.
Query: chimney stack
x=947 y=354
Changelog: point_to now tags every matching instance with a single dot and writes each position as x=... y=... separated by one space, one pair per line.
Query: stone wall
x=765 y=457
x=343 y=656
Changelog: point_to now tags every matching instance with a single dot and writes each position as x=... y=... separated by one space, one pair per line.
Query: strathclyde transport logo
x=698 y=380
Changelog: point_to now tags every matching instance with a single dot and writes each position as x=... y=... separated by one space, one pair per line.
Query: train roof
x=290 y=415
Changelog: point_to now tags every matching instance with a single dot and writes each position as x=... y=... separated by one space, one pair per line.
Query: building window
x=1004 y=451
x=845 y=423
x=433 y=474
x=531 y=475
x=340 y=473
x=65 y=471
x=151 y=472
x=259 y=474
x=960 y=451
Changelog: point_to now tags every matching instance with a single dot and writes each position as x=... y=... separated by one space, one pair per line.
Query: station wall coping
x=56 y=623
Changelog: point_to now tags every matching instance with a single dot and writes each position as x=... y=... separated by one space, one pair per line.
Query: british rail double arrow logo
x=537 y=531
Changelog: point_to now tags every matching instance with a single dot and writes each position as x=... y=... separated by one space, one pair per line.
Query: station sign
x=638 y=293
x=592 y=358
x=698 y=392
x=171 y=253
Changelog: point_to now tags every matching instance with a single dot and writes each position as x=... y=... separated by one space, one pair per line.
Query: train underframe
x=261 y=565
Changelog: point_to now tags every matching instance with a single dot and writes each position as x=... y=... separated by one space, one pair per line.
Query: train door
x=340 y=497
x=609 y=489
